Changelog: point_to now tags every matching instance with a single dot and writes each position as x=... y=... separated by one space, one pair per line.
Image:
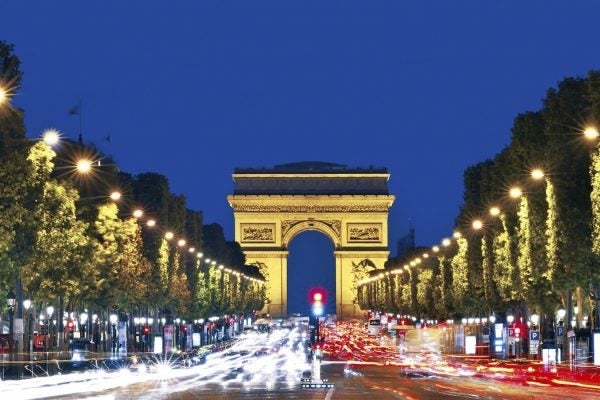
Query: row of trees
x=541 y=248
x=63 y=242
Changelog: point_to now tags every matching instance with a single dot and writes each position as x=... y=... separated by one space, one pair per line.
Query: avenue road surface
x=260 y=366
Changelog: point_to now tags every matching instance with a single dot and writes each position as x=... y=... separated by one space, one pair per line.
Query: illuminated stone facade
x=350 y=206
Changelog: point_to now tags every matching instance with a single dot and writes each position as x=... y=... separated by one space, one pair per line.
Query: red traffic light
x=146 y=330
x=317 y=295
x=70 y=325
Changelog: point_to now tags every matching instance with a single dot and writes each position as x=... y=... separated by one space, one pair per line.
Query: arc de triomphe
x=350 y=206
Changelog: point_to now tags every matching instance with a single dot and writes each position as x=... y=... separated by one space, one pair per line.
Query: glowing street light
x=515 y=192
x=495 y=211
x=477 y=224
x=84 y=166
x=181 y=242
x=169 y=235
x=591 y=133
x=115 y=196
x=51 y=137
x=151 y=223
x=537 y=174
x=138 y=213
x=3 y=95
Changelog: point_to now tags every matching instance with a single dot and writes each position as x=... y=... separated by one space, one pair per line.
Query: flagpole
x=80 y=129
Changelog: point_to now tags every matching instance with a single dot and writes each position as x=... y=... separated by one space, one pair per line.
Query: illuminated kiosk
x=350 y=206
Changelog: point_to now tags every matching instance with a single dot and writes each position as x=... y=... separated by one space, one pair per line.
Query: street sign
x=534 y=335
x=560 y=331
x=511 y=332
x=570 y=333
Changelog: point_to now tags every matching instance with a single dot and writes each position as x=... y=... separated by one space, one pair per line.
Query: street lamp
x=3 y=95
x=591 y=132
x=113 y=322
x=537 y=174
x=83 y=318
x=11 y=300
x=51 y=137
x=115 y=196
x=515 y=192
x=27 y=306
x=49 y=312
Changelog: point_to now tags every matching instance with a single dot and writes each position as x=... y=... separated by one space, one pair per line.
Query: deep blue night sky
x=193 y=89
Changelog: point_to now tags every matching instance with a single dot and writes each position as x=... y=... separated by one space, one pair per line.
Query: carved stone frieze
x=287 y=224
x=335 y=225
x=311 y=208
x=258 y=233
x=364 y=232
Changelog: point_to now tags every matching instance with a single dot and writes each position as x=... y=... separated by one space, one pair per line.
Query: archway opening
x=311 y=263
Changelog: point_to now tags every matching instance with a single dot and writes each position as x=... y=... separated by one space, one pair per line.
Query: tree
x=460 y=276
x=59 y=264
x=12 y=128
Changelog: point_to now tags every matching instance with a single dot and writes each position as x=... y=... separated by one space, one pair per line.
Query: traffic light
x=318 y=297
x=70 y=327
x=145 y=330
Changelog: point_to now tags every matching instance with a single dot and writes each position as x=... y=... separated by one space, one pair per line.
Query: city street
x=272 y=366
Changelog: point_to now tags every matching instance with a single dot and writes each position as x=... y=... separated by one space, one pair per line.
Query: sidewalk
x=531 y=372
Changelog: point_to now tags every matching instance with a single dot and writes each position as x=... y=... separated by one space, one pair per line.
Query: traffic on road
x=272 y=363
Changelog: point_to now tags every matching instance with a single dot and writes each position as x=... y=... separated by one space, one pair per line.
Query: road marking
x=329 y=394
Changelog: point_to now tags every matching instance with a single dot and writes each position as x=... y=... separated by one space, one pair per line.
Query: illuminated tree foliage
x=552 y=233
x=425 y=301
x=407 y=293
x=537 y=254
x=447 y=300
x=389 y=303
x=505 y=272
x=460 y=277
x=59 y=264
x=487 y=260
x=595 y=199
x=161 y=268
x=524 y=262
x=397 y=292
x=64 y=245
x=23 y=175
x=136 y=270
x=202 y=293
x=12 y=128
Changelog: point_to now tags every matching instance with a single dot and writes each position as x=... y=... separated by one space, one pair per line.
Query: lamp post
x=29 y=327
x=49 y=312
x=511 y=335
x=113 y=323
x=83 y=318
x=11 y=300
x=95 y=331
x=29 y=332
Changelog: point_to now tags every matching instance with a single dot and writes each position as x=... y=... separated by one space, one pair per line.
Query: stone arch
x=349 y=206
x=312 y=225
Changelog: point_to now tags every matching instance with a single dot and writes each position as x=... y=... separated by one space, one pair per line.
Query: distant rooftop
x=310 y=178
x=310 y=167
